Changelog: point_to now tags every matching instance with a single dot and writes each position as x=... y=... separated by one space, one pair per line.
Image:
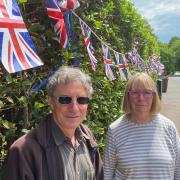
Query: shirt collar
x=60 y=138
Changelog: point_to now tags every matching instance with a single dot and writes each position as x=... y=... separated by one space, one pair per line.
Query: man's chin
x=73 y=124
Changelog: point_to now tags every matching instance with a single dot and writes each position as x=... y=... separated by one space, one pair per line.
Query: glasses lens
x=65 y=100
x=133 y=93
x=68 y=100
x=83 y=100
x=146 y=94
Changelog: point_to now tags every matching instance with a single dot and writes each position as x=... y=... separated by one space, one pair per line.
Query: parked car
x=177 y=73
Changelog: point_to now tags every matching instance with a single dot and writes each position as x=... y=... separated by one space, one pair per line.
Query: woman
x=142 y=144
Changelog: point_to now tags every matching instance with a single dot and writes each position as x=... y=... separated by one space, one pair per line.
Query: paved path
x=171 y=101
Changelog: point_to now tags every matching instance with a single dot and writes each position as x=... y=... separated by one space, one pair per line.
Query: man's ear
x=50 y=102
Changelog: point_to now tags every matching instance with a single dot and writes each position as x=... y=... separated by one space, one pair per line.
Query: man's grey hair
x=66 y=75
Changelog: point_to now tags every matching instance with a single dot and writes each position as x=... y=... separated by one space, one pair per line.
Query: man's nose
x=74 y=104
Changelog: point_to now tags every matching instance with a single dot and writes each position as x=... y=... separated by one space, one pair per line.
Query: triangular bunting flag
x=87 y=34
x=120 y=66
x=127 y=67
x=67 y=5
x=107 y=62
x=54 y=12
x=17 y=51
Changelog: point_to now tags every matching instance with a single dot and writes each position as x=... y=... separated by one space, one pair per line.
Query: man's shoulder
x=34 y=137
x=26 y=140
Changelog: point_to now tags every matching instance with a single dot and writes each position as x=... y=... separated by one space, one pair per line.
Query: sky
x=162 y=15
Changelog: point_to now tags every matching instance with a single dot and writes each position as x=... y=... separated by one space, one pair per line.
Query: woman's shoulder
x=167 y=123
x=119 y=123
x=165 y=120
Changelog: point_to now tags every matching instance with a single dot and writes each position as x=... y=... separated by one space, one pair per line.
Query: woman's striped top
x=142 y=151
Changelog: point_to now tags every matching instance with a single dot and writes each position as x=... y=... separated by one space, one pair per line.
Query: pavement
x=171 y=101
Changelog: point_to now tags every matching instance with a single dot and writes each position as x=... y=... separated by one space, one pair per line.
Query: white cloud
x=163 y=8
x=163 y=16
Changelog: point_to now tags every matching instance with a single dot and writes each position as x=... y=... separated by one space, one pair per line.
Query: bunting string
x=44 y=82
x=94 y=33
x=152 y=64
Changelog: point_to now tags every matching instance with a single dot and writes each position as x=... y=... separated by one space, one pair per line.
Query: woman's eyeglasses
x=68 y=100
x=136 y=94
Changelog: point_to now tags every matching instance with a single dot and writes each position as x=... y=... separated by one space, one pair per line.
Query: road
x=171 y=101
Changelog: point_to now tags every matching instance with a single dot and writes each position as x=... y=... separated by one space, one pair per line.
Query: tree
x=167 y=58
x=174 y=45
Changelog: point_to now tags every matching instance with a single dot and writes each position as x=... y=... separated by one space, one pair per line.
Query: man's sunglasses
x=68 y=100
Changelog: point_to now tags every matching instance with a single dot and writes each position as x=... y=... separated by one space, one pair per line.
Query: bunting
x=122 y=64
x=133 y=58
x=87 y=34
x=17 y=51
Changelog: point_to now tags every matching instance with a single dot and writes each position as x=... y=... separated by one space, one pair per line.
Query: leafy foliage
x=170 y=55
x=174 y=45
x=167 y=58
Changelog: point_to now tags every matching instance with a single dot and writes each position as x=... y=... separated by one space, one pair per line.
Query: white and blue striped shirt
x=142 y=151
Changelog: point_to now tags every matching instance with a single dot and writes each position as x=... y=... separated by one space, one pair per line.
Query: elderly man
x=61 y=147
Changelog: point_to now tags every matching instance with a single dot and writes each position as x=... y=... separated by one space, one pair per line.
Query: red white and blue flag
x=17 y=51
x=139 y=62
x=87 y=35
x=146 y=67
x=120 y=66
x=108 y=65
x=67 y=5
x=157 y=66
x=54 y=12
x=135 y=59
x=127 y=67
x=132 y=56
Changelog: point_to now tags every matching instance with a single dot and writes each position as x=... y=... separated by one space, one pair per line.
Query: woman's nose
x=141 y=96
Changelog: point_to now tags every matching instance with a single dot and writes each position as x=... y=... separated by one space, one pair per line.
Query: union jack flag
x=135 y=59
x=67 y=5
x=132 y=56
x=108 y=63
x=157 y=66
x=147 y=68
x=126 y=66
x=87 y=34
x=54 y=12
x=17 y=51
x=120 y=66
x=139 y=61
